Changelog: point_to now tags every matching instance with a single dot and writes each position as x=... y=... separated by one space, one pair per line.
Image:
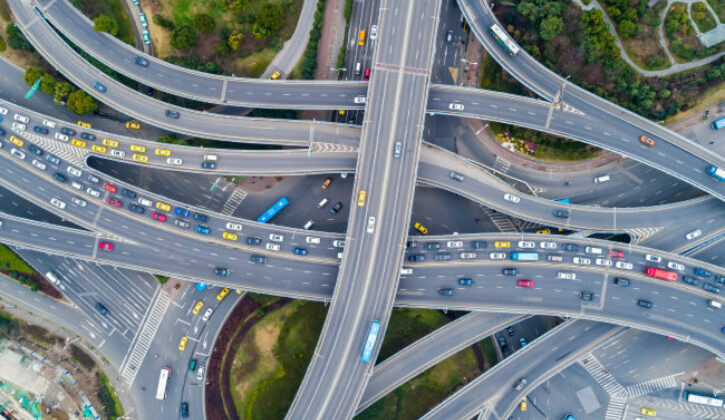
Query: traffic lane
x=675 y=240
x=489 y=105
x=37 y=234
x=712 y=253
x=15 y=205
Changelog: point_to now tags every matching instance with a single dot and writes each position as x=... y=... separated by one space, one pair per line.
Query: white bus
x=504 y=40
x=163 y=378
x=695 y=398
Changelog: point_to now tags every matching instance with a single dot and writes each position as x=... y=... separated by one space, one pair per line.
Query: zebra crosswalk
x=65 y=151
x=640 y=234
x=318 y=147
x=502 y=221
x=615 y=408
x=603 y=377
x=234 y=200
x=650 y=387
x=685 y=409
x=502 y=164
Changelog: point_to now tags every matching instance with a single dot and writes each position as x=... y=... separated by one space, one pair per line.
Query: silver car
x=581 y=261
x=276 y=237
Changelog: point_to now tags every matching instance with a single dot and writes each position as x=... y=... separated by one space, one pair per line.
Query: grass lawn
x=112 y=8
x=11 y=261
x=702 y=17
x=406 y=326
x=719 y=7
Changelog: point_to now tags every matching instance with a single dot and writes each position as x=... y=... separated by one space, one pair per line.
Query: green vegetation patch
x=702 y=17
x=9 y=260
x=682 y=38
x=5 y=10
x=408 y=325
x=638 y=29
x=161 y=279
x=114 y=10
x=719 y=7
x=112 y=406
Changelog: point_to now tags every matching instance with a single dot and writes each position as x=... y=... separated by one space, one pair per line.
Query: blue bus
x=718 y=124
x=272 y=211
x=525 y=256
x=716 y=172
x=367 y=352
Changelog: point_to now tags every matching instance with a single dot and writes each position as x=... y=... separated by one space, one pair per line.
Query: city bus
x=525 y=256
x=367 y=352
x=717 y=125
x=660 y=274
x=695 y=398
x=272 y=211
x=504 y=40
x=716 y=172
x=163 y=378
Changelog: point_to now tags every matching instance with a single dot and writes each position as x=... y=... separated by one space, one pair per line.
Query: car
x=172 y=114
x=276 y=75
x=2 y=132
x=446 y=291
x=360 y=99
x=512 y=198
x=99 y=149
x=234 y=226
x=519 y=385
x=711 y=288
x=182 y=223
x=548 y=245
x=106 y=246
x=510 y=331
x=230 y=236
x=140 y=158
x=184 y=408
x=432 y=245
x=78 y=143
x=259 y=259
x=162 y=152
x=497 y=255
x=144 y=201
x=207 y=314
x=197 y=307
x=646 y=141
x=77 y=185
x=40 y=130
x=68 y=131
x=621 y=281
x=18 y=126
x=128 y=193
x=220 y=271
x=522 y=341
x=616 y=254
x=416 y=258
x=456 y=176
x=694 y=234
x=361 y=196
x=110 y=188
x=479 y=244
x=203 y=230
x=566 y=275
x=21 y=118
x=371 y=224
x=88 y=136
x=275 y=237
x=208 y=165
x=675 y=266
x=146 y=37
x=200 y=373
x=543 y=232
x=114 y=202
x=57 y=203
x=420 y=228
x=141 y=61
x=3 y=111
x=702 y=272
x=74 y=171
x=586 y=295
x=142 y=19
x=136 y=208
x=465 y=282
x=99 y=87
x=182 y=342
x=510 y=271
x=94 y=179
x=502 y=341
x=61 y=137
x=299 y=251
x=222 y=294
x=561 y=213
x=720 y=279
x=374 y=32
x=603 y=262
x=467 y=255
x=118 y=153
x=326 y=183
x=690 y=280
x=397 y=149
x=35 y=149
x=581 y=260
x=570 y=247
x=454 y=244
x=158 y=216
x=182 y=212
x=163 y=206
x=555 y=258
x=527 y=244
x=525 y=283
x=38 y=164
x=251 y=240
x=272 y=247
x=624 y=265
x=339 y=243
x=312 y=240
x=502 y=244
x=91 y=191
x=449 y=36
x=653 y=258
x=454 y=106
x=133 y=125
x=442 y=256
x=644 y=303
x=367 y=74
x=174 y=161
x=17 y=153
x=102 y=309
x=647 y=412
x=336 y=208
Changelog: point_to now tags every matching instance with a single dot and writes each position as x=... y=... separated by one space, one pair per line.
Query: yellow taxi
x=163 y=206
x=78 y=143
x=182 y=342
x=110 y=143
x=239 y=291
x=544 y=232
x=420 y=228
x=85 y=124
x=16 y=141
x=98 y=149
x=341 y=112
x=163 y=152
x=648 y=412
x=140 y=158
x=523 y=404
x=137 y=148
x=197 y=307
x=361 y=198
x=230 y=236
x=502 y=244
x=222 y=294
x=275 y=75
x=133 y=125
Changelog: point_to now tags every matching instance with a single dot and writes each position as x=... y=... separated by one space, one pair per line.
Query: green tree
x=268 y=21
x=47 y=85
x=105 y=23
x=16 y=39
x=204 y=23
x=184 y=38
x=62 y=90
x=3 y=46
x=551 y=27
x=163 y=22
x=32 y=74
x=236 y=6
x=627 y=29
x=223 y=50
x=81 y=103
x=234 y=39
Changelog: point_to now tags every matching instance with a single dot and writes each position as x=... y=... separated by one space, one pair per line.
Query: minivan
x=600 y=179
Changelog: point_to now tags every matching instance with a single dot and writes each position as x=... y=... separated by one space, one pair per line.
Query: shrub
x=3 y=46
x=81 y=103
x=236 y=6
x=184 y=38
x=163 y=22
x=16 y=39
x=204 y=23
x=32 y=74
x=104 y=23
x=234 y=39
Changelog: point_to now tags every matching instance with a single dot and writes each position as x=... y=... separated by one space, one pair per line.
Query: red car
x=114 y=202
x=616 y=254
x=158 y=216
x=106 y=246
x=367 y=74
x=108 y=187
x=525 y=283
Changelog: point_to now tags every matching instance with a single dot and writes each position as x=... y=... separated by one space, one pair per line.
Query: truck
x=525 y=256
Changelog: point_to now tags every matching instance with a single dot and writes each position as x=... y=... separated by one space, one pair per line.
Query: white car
x=94 y=179
x=497 y=255
x=406 y=271
x=548 y=245
x=468 y=255
x=174 y=161
x=512 y=198
x=581 y=260
x=207 y=314
x=234 y=226
x=50 y=124
x=565 y=275
x=276 y=237
x=78 y=202
x=76 y=185
x=455 y=106
x=360 y=99
x=675 y=266
x=624 y=265
x=694 y=234
x=527 y=244
x=374 y=32
x=603 y=262
x=118 y=153
x=61 y=137
x=38 y=164
x=272 y=247
x=93 y=192
x=653 y=258
x=58 y=203
x=200 y=373
x=3 y=111
x=454 y=244
x=17 y=153
x=22 y=118
x=144 y=202
x=371 y=224
x=339 y=243
x=18 y=126
x=312 y=240
x=74 y=171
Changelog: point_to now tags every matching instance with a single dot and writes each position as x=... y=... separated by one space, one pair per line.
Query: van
x=307 y=225
x=358 y=68
x=51 y=276
x=322 y=203
x=211 y=158
x=714 y=304
x=600 y=179
x=592 y=250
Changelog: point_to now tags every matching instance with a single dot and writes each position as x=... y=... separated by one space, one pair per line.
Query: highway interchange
x=367 y=261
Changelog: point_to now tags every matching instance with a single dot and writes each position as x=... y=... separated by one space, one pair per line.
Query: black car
x=416 y=258
x=141 y=61
x=149 y=91
x=720 y=279
x=102 y=309
x=690 y=280
x=570 y=247
x=41 y=130
x=586 y=295
x=621 y=281
x=442 y=256
x=511 y=333
x=510 y=271
x=128 y=193
x=561 y=213
x=88 y=136
x=259 y=259
x=136 y=208
x=446 y=291
x=200 y=217
x=711 y=288
x=502 y=341
x=2 y=132
x=221 y=271
x=35 y=149
x=184 y=410
x=182 y=223
x=411 y=244
x=253 y=241
x=644 y=303
x=171 y=114
x=208 y=165
x=68 y=131
x=336 y=207
x=59 y=177
x=432 y=245
x=479 y=244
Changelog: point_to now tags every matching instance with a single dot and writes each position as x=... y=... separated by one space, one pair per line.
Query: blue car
x=299 y=251
x=202 y=229
x=181 y=212
x=523 y=342
x=465 y=282
x=59 y=177
x=99 y=87
x=702 y=272
x=146 y=37
x=136 y=208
